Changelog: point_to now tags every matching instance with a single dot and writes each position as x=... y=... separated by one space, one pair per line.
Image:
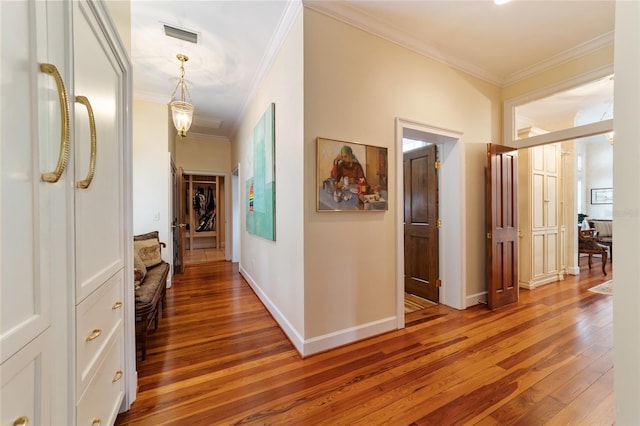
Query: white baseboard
x=475 y=299
x=573 y=270
x=324 y=342
x=282 y=321
x=530 y=285
x=349 y=335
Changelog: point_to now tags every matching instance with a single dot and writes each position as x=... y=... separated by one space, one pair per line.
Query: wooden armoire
x=66 y=258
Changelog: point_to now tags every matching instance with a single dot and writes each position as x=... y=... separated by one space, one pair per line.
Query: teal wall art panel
x=261 y=187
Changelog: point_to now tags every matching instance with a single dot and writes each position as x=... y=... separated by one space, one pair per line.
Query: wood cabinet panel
x=203 y=208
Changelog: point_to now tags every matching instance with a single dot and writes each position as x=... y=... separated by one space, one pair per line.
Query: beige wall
x=151 y=172
x=356 y=84
x=275 y=268
x=203 y=153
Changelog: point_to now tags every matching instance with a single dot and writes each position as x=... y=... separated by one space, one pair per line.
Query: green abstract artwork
x=261 y=188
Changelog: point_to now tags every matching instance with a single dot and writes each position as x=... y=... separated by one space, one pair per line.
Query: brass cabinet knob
x=94 y=334
x=21 y=421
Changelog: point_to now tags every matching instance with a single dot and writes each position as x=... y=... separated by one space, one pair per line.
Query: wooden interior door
x=502 y=225
x=420 y=223
x=178 y=224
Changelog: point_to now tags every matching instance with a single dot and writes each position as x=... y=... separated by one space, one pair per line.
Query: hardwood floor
x=219 y=358
x=203 y=255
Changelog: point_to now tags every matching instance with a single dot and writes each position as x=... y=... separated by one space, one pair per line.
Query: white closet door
x=34 y=217
x=34 y=213
x=99 y=209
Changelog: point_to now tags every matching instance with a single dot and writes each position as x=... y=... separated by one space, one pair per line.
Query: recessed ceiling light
x=501 y=1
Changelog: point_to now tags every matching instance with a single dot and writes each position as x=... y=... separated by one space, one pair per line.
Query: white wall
x=275 y=268
x=599 y=174
x=626 y=214
x=151 y=172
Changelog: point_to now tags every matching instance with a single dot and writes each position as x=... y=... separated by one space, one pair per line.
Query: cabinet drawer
x=26 y=384
x=100 y=402
x=99 y=318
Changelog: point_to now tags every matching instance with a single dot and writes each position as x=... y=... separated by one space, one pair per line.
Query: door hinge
x=488 y=235
x=438 y=164
x=439 y=223
x=438 y=282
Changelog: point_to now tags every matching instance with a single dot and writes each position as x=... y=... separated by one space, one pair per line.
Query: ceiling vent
x=180 y=34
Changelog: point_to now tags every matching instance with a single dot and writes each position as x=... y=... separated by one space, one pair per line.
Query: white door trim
x=452 y=236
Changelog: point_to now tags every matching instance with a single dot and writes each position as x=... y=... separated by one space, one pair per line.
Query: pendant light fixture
x=181 y=110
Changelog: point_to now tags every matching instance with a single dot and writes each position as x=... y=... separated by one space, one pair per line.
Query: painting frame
x=365 y=168
x=260 y=185
x=601 y=195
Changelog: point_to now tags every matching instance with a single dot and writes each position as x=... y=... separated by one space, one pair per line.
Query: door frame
x=452 y=237
x=235 y=214
x=227 y=206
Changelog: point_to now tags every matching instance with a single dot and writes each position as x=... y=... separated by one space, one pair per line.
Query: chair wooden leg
x=604 y=263
x=589 y=261
x=143 y=338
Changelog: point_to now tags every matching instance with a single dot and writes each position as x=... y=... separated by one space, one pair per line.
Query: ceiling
x=237 y=39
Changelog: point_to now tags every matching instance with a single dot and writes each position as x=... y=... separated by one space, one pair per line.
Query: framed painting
x=261 y=185
x=351 y=176
x=602 y=196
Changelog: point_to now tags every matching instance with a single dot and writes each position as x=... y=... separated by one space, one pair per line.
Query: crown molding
x=578 y=51
x=356 y=18
x=275 y=44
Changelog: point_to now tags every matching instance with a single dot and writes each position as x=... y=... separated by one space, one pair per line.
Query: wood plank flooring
x=218 y=357
x=203 y=255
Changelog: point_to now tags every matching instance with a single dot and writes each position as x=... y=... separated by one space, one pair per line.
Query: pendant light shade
x=182 y=113
x=181 y=110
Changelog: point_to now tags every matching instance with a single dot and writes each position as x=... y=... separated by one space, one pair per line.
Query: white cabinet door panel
x=99 y=208
x=26 y=384
x=33 y=212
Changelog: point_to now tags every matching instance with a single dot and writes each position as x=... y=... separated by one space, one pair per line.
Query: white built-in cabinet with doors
x=540 y=213
x=65 y=166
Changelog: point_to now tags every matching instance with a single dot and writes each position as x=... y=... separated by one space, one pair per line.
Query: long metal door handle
x=84 y=184
x=63 y=156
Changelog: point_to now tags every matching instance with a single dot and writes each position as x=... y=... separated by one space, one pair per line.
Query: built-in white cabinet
x=65 y=100
x=540 y=213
